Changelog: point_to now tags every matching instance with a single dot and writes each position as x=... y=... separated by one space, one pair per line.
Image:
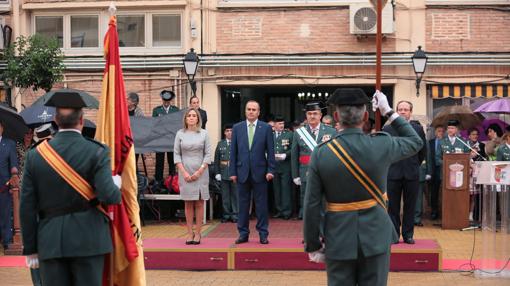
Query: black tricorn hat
x=278 y=118
x=453 y=122
x=167 y=94
x=313 y=106
x=348 y=96
x=66 y=100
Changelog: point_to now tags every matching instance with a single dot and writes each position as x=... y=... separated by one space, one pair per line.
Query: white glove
x=428 y=177
x=218 y=177
x=283 y=156
x=317 y=256
x=117 y=180
x=379 y=100
x=297 y=181
x=32 y=261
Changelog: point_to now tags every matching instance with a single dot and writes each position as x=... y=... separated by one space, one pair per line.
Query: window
x=51 y=27
x=131 y=29
x=166 y=30
x=84 y=32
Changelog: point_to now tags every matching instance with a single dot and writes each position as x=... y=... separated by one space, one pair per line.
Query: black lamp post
x=190 y=62
x=419 y=64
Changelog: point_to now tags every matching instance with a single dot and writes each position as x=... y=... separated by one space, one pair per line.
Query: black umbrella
x=91 y=101
x=14 y=126
x=37 y=115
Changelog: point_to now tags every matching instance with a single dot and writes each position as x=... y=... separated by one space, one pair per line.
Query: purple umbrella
x=496 y=106
x=483 y=126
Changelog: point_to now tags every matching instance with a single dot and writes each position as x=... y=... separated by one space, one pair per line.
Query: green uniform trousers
x=282 y=186
x=369 y=271
x=75 y=271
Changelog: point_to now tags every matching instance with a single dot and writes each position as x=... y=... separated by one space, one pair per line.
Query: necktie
x=250 y=134
x=277 y=135
x=452 y=140
x=315 y=131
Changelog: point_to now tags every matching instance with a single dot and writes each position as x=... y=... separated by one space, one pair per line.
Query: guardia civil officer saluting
x=350 y=173
x=304 y=141
x=64 y=180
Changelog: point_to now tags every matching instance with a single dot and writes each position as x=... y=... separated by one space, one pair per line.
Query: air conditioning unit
x=363 y=19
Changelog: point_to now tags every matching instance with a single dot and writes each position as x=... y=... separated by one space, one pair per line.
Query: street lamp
x=190 y=62
x=419 y=64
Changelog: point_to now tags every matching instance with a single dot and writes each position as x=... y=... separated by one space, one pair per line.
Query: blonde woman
x=192 y=155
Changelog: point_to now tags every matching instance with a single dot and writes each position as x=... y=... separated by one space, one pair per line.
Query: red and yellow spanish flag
x=114 y=130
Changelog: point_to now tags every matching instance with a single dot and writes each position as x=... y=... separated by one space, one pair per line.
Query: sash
x=358 y=173
x=309 y=141
x=59 y=165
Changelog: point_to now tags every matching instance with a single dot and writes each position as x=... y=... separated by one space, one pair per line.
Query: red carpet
x=12 y=261
x=277 y=229
x=463 y=264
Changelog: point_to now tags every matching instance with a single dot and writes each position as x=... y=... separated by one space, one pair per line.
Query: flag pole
x=378 y=60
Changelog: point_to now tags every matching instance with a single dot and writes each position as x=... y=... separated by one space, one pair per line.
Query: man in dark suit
x=434 y=169
x=403 y=179
x=8 y=176
x=64 y=180
x=194 y=102
x=252 y=165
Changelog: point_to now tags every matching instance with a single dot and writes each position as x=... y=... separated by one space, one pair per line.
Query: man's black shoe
x=241 y=240
x=286 y=217
x=234 y=220
x=276 y=216
x=418 y=224
x=409 y=240
x=263 y=240
x=224 y=220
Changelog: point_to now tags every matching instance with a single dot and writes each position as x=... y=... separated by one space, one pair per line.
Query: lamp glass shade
x=419 y=65
x=190 y=67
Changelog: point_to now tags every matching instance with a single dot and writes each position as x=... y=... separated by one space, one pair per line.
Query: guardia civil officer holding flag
x=350 y=173
x=64 y=231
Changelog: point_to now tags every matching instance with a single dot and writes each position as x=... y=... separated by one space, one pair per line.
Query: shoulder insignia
x=325 y=141
x=95 y=141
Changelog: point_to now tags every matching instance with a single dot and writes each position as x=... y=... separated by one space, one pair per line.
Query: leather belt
x=60 y=211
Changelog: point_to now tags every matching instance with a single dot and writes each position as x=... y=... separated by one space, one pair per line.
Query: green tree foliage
x=35 y=62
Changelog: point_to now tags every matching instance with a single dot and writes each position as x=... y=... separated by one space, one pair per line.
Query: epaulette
x=380 y=133
x=325 y=142
x=95 y=141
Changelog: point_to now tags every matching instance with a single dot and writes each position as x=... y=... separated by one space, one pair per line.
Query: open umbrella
x=495 y=106
x=483 y=126
x=462 y=113
x=37 y=115
x=14 y=126
x=89 y=100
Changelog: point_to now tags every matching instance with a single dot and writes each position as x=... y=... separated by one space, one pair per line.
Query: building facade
x=282 y=53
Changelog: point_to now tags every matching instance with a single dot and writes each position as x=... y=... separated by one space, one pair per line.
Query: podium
x=455 y=196
x=494 y=176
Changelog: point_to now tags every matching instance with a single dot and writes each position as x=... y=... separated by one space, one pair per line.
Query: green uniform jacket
x=445 y=146
x=370 y=230
x=160 y=110
x=503 y=153
x=75 y=234
x=222 y=153
x=299 y=148
x=283 y=145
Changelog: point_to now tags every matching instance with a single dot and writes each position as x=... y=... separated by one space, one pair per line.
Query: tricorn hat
x=167 y=94
x=453 y=122
x=278 y=118
x=66 y=99
x=313 y=106
x=43 y=131
x=348 y=96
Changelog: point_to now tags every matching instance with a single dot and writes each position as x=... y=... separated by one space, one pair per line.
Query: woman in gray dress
x=192 y=155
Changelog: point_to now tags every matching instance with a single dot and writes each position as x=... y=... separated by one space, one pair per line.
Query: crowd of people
x=277 y=169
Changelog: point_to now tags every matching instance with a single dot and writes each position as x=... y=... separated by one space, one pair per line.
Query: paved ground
x=455 y=244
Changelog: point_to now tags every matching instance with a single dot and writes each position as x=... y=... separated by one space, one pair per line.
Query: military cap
x=279 y=118
x=133 y=96
x=313 y=106
x=348 y=96
x=453 y=122
x=66 y=99
x=167 y=95
x=227 y=126
x=44 y=130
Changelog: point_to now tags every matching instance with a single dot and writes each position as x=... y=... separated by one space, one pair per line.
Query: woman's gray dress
x=192 y=149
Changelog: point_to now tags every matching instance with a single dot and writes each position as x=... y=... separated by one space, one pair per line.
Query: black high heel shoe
x=190 y=242
x=196 y=242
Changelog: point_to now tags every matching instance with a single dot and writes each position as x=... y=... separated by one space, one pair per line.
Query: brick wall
x=291 y=32
x=476 y=30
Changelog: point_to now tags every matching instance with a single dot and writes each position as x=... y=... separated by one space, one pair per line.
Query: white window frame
x=466 y=2
x=286 y=3
x=5 y=5
x=149 y=48
x=2 y=23
x=66 y=32
x=104 y=18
